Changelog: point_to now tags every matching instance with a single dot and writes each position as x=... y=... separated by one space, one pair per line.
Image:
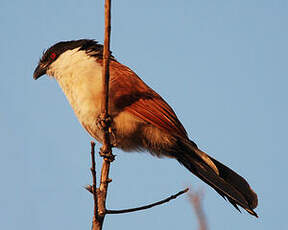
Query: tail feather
x=238 y=182
x=225 y=181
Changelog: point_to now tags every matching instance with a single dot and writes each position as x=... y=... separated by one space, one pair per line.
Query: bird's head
x=89 y=47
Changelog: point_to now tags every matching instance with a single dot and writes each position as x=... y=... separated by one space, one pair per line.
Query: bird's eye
x=52 y=56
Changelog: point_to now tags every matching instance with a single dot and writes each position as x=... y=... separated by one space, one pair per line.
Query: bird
x=142 y=119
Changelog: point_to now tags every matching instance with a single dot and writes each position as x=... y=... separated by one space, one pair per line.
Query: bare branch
x=149 y=205
x=106 y=149
x=93 y=171
x=106 y=56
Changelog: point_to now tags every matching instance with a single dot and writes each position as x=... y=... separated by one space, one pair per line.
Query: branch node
x=106 y=182
x=107 y=154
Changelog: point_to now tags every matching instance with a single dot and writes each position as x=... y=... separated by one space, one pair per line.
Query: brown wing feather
x=130 y=93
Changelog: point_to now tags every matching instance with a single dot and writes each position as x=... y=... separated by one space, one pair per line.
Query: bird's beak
x=39 y=71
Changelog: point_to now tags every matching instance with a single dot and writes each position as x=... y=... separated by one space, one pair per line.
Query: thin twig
x=93 y=171
x=149 y=205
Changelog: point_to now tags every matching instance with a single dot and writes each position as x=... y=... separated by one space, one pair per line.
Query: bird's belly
x=125 y=133
x=130 y=133
x=93 y=130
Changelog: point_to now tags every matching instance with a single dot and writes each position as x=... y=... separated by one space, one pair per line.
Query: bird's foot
x=106 y=154
x=103 y=121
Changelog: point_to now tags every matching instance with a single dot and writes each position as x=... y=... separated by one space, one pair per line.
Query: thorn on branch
x=89 y=188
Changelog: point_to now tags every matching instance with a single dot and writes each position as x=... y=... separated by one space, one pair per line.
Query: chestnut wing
x=130 y=93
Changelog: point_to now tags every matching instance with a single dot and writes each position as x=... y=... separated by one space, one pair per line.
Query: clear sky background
x=222 y=65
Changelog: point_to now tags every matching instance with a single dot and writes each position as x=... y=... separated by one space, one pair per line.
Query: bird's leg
x=104 y=123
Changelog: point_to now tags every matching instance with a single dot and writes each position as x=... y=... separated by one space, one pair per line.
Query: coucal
x=142 y=120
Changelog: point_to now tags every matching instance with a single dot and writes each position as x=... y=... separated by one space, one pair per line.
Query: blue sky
x=222 y=65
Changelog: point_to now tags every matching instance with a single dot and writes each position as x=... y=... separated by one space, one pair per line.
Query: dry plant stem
x=106 y=148
x=105 y=69
x=196 y=198
x=149 y=205
x=93 y=171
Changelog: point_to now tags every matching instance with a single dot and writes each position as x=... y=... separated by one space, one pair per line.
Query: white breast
x=80 y=78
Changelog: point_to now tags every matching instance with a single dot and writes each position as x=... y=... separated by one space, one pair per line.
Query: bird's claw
x=104 y=121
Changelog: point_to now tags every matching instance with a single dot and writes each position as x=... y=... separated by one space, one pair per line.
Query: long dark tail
x=225 y=181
